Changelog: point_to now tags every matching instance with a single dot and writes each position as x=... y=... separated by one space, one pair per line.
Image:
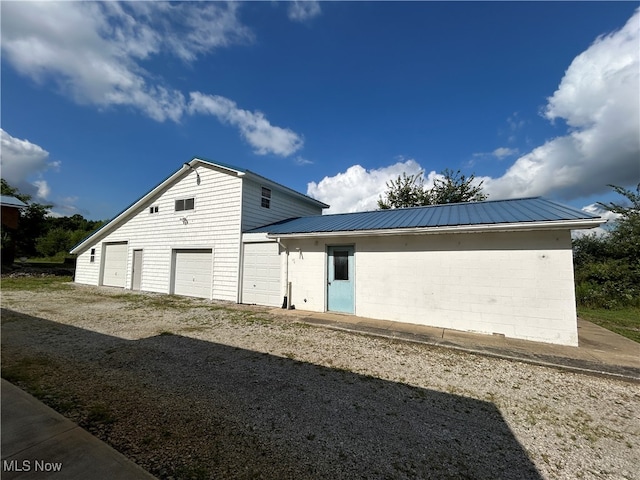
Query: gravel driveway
x=190 y=388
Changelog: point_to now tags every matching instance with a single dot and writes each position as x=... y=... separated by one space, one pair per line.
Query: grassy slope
x=35 y=283
x=624 y=321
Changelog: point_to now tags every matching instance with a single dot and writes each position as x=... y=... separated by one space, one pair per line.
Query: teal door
x=340 y=279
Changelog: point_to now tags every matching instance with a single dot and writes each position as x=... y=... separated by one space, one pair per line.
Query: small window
x=266 y=197
x=92 y=257
x=153 y=209
x=341 y=265
x=185 y=204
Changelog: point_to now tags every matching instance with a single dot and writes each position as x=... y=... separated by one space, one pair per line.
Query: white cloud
x=93 y=53
x=254 y=127
x=302 y=161
x=302 y=10
x=89 y=50
x=43 y=188
x=358 y=189
x=500 y=153
x=66 y=207
x=23 y=164
x=596 y=209
x=503 y=152
x=599 y=99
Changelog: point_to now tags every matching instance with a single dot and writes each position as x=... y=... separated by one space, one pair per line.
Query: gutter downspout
x=284 y=276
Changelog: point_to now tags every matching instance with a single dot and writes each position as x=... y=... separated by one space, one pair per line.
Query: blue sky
x=102 y=101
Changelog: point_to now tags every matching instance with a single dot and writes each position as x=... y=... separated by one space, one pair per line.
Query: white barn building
x=215 y=231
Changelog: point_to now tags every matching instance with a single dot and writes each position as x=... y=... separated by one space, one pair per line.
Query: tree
x=406 y=191
x=453 y=187
x=56 y=240
x=6 y=189
x=625 y=237
x=607 y=267
x=38 y=233
x=32 y=222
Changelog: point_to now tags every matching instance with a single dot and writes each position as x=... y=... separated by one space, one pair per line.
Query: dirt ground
x=189 y=388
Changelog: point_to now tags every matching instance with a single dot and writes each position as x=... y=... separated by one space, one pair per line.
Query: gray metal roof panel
x=493 y=212
x=12 y=201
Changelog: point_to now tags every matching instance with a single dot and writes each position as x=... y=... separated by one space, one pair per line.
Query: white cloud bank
x=596 y=209
x=254 y=127
x=598 y=98
x=94 y=51
x=358 y=189
x=23 y=164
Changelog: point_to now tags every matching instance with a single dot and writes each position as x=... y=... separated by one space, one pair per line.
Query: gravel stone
x=190 y=388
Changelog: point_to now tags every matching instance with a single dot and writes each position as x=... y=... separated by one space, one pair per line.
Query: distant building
x=11 y=207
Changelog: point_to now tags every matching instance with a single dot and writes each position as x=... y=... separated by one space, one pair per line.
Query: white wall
x=307 y=273
x=86 y=272
x=214 y=223
x=222 y=203
x=519 y=284
x=283 y=206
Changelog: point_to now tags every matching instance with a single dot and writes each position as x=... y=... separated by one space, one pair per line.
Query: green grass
x=160 y=302
x=25 y=370
x=623 y=321
x=58 y=259
x=48 y=283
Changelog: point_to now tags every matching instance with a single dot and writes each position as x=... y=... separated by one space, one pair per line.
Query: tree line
x=607 y=267
x=38 y=233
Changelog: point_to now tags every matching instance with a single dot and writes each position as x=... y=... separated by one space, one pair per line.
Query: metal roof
x=496 y=212
x=12 y=201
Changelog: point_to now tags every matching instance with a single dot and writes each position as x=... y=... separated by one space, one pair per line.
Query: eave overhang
x=497 y=227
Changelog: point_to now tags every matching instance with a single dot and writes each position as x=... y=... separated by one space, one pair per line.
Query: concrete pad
x=38 y=443
x=27 y=422
x=601 y=351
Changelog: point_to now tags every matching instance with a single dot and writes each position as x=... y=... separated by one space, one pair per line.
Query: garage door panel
x=114 y=271
x=193 y=273
x=261 y=274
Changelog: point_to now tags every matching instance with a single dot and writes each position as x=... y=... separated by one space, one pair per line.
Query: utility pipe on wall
x=284 y=276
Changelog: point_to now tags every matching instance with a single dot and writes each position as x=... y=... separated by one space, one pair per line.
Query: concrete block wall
x=519 y=284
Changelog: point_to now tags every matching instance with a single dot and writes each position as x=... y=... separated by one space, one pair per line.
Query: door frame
x=352 y=267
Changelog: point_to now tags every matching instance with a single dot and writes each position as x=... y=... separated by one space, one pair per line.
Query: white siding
x=214 y=223
x=283 y=206
x=87 y=272
x=517 y=284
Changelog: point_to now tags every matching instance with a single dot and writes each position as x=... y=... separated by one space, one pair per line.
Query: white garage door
x=115 y=265
x=261 y=274
x=193 y=273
